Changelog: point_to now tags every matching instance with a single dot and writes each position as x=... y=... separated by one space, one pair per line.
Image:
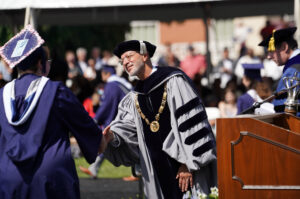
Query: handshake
x=107 y=137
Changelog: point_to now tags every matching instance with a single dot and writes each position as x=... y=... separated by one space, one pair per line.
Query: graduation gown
x=36 y=118
x=292 y=66
x=114 y=91
x=244 y=101
x=185 y=136
x=249 y=98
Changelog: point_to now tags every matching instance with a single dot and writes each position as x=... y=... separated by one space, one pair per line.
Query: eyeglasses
x=128 y=57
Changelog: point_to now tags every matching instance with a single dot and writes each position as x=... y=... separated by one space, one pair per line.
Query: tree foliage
x=6 y=33
x=62 y=38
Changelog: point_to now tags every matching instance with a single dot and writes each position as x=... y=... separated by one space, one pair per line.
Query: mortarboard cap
x=141 y=47
x=277 y=37
x=109 y=68
x=252 y=71
x=21 y=46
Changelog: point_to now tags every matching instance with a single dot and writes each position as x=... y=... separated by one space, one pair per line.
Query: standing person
x=283 y=50
x=248 y=58
x=90 y=73
x=73 y=68
x=96 y=55
x=37 y=115
x=162 y=126
x=114 y=91
x=81 y=59
x=168 y=58
x=225 y=68
x=193 y=64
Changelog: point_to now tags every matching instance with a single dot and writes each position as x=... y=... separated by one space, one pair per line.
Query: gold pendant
x=154 y=126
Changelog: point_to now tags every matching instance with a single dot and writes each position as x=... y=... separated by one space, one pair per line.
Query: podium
x=258 y=156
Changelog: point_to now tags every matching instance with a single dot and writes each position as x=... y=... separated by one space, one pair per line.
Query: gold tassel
x=271 y=47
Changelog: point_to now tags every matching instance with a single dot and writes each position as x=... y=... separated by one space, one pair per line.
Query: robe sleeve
x=191 y=140
x=79 y=123
x=239 y=105
x=127 y=153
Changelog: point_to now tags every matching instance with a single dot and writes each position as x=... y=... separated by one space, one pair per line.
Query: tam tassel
x=271 y=47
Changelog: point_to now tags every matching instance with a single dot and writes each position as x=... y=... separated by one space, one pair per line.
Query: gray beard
x=132 y=76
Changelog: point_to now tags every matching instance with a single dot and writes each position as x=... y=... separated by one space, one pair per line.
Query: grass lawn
x=107 y=170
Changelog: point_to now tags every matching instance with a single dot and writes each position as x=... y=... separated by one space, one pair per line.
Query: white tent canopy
x=52 y=4
x=77 y=12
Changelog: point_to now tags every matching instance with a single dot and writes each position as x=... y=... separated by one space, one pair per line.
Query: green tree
x=6 y=32
x=62 y=38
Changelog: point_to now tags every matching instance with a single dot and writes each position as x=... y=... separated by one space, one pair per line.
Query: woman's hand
x=185 y=178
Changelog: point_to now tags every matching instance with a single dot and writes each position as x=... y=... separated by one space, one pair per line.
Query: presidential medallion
x=154 y=126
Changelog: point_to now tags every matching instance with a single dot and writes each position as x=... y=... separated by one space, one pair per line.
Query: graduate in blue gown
x=37 y=115
x=250 y=79
x=257 y=90
x=114 y=91
x=283 y=50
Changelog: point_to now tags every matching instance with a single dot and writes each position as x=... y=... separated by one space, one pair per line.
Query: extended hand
x=108 y=134
x=106 y=138
x=185 y=178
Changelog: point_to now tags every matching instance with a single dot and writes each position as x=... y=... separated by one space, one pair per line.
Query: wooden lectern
x=259 y=157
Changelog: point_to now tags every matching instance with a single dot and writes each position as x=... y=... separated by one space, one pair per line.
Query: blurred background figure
x=59 y=70
x=90 y=72
x=168 y=58
x=74 y=69
x=193 y=63
x=271 y=70
x=96 y=55
x=249 y=58
x=257 y=90
x=110 y=59
x=92 y=103
x=224 y=68
x=228 y=106
x=250 y=78
x=240 y=35
x=81 y=54
x=266 y=31
x=264 y=87
x=5 y=71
